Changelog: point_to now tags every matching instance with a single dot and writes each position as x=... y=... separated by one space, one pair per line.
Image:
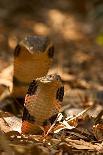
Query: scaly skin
x=43 y=101
x=32 y=59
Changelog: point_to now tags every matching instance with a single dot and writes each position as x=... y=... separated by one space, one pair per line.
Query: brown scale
x=42 y=102
x=32 y=59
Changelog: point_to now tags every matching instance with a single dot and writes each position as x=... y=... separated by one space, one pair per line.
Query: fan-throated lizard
x=43 y=101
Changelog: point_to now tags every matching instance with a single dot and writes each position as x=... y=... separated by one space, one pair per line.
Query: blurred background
x=75 y=27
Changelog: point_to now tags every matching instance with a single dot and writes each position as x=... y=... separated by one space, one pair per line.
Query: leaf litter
x=67 y=134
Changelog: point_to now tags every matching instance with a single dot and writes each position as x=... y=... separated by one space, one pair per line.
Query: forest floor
x=79 y=61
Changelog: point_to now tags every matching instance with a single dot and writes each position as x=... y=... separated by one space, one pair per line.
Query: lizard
x=42 y=103
x=33 y=57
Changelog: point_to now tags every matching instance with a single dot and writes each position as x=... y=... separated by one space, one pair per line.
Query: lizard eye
x=51 y=52
x=17 y=50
